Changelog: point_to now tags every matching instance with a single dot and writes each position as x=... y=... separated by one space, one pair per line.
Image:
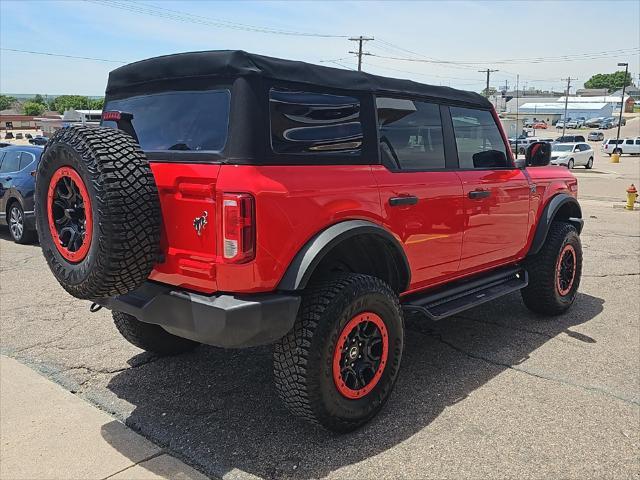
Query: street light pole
x=624 y=84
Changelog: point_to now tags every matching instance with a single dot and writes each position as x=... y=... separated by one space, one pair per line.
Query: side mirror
x=538 y=154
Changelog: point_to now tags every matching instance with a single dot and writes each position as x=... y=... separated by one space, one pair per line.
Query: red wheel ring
x=566 y=269
x=360 y=355
x=69 y=214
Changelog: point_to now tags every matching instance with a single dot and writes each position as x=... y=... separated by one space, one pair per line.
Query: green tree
x=6 y=102
x=96 y=104
x=33 y=108
x=67 y=102
x=610 y=81
x=39 y=99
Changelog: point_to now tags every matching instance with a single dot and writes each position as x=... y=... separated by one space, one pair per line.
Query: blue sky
x=483 y=32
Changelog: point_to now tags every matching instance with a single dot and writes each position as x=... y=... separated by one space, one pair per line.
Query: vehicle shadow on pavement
x=5 y=235
x=219 y=410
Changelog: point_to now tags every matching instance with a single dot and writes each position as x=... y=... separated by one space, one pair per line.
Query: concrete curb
x=48 y=433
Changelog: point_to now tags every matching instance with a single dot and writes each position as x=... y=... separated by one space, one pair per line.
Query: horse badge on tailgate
x=200 y=222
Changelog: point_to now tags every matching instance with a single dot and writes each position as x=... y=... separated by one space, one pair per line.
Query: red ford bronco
x=237 y=200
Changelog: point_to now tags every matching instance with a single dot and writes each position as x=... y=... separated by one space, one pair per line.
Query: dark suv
x=238 y=200
x=18 y=166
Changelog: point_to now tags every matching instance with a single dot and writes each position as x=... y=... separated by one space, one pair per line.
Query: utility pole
x=624 y=85
x=517 y=112
x=488 y=71
x=360 y=53
x=566 y=102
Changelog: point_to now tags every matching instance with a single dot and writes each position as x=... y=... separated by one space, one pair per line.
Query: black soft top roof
x=237 y=63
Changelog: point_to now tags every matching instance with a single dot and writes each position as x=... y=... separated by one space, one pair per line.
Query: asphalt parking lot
x=496 y=392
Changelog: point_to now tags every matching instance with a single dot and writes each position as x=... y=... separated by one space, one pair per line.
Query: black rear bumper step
x=461 y=296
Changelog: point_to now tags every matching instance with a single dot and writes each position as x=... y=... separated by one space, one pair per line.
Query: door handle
x=479 y=194
x=406 y=200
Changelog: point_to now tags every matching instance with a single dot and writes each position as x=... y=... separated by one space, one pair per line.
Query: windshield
x=562 y=148
x=177 y=120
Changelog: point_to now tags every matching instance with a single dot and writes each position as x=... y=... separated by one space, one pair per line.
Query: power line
x=49 y=54
x=185 y=17
x=562 y=58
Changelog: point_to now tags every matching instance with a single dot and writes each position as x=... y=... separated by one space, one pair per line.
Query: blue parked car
x=18 y=165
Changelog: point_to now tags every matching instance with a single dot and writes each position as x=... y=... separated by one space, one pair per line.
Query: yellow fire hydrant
x=632 y=194
x=615 y=158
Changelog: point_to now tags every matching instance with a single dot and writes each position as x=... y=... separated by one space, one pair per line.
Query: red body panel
x=186 y=192
x=430 y=231
x=495 y=226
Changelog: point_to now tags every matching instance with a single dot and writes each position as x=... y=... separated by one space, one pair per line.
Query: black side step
x=461 y=296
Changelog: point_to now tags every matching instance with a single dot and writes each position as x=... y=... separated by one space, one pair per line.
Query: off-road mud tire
x=542 y=295
x=303 y=357
x=125 y=210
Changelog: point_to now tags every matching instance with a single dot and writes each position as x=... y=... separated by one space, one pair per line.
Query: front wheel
x=570 y=164
x=339 y=363
x=555 y=271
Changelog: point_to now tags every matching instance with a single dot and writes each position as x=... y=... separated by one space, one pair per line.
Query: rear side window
x=25 y=159
x=410 y=134
x=629 y=142
x=195 y=121
x=10 y=162
x=314 y=123
x=478 y=139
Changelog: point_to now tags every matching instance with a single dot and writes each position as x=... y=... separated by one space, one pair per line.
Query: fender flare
x=548 y=216
x=307 y=259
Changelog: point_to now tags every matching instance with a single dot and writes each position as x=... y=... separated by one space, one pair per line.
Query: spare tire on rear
x=98 y=211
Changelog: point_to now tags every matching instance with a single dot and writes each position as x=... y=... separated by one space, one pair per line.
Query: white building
x=549 y=112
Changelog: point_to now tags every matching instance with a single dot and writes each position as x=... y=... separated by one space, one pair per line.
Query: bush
x=33 y=108
x=6 y=102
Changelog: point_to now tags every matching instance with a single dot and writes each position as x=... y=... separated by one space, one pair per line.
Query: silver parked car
x=595 y=136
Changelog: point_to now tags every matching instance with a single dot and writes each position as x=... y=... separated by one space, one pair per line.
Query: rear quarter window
x=187 y=121
x=314 y=123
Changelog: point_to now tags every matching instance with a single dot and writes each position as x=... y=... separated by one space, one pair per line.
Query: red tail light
x=238 y=227
x=111 y=116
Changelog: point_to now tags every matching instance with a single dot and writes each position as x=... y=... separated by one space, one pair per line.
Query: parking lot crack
x=561 y=380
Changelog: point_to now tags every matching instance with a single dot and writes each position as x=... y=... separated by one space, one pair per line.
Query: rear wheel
x=555 y=271
x=150 y=337
x=570 y=164
x=17 y=226
x=589 y=164
x=339 y=363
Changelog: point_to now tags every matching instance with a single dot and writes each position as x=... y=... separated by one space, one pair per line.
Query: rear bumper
x=222 y=320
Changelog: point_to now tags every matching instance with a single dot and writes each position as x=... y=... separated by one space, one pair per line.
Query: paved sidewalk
x=48 y=433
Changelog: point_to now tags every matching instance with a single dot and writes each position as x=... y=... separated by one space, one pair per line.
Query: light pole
x=624 y=84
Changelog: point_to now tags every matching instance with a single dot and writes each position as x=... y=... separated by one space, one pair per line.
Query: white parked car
x=523 y=144
x=575 y=123
x=625 y=145
x=572 y=154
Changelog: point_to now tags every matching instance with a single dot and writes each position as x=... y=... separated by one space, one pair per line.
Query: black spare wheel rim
x=360 y=355
x=69 y=210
